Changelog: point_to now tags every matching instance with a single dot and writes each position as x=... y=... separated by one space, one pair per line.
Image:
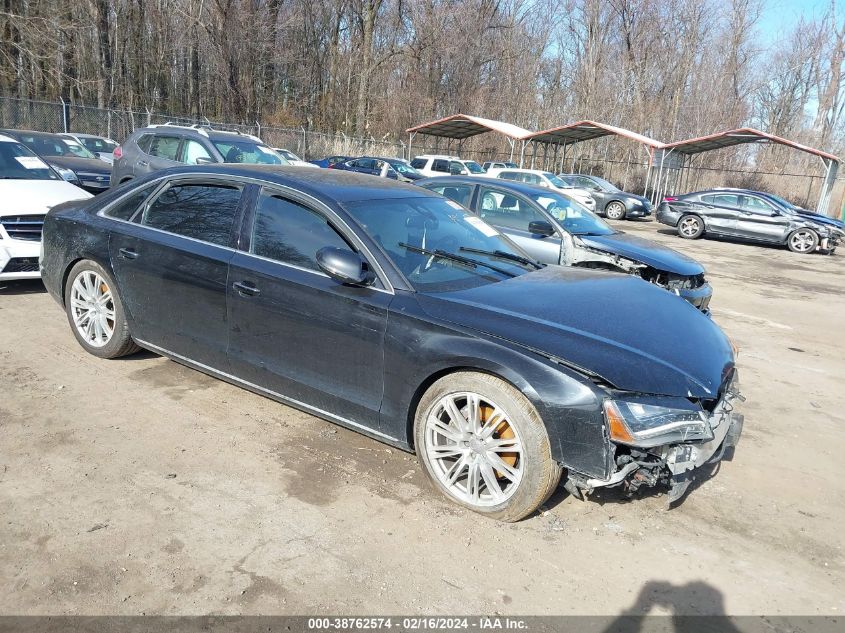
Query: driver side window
x=502 y=209
x=291 y=233
x=756 y=205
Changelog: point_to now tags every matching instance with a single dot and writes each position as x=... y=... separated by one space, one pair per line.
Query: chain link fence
x=117 y=124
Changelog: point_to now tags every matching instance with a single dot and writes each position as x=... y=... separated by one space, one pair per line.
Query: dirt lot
x=140 y=486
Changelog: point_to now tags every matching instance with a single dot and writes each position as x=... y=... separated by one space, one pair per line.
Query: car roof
x=206 y=132
x=14 y=133
x=337 y=185
x=512 y=185
x=526 y=171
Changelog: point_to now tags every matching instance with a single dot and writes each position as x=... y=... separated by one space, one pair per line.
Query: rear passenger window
x=459 y=193
x=291 y=233
x=418 y=163
x=441 y=165
x=165 y=147
x=726 y=200
x=126 y=208
x=201 y=211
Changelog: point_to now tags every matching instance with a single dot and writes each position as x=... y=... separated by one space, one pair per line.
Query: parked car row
x=405 y=313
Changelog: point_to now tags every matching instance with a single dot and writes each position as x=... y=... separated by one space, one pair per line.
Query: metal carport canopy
x=580 y=131
x=743 y=135
x=461 y=126
x=586 y=131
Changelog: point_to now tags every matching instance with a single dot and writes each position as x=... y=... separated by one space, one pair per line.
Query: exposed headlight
x=67 y=174
x=647 y=425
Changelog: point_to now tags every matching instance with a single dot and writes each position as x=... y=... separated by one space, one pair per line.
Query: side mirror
x=204 y=160
x=541 y=227
x=344 y=266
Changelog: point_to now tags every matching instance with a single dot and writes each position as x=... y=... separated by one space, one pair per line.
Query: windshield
x=781 y=201
x=18 y=162
x=248 y=152
x=286 y=153
x=436 y=224
x=604 y=185
x=98 y=144
x=473 y=167
x=573 y=217
x=557 y=182
x=404 y=168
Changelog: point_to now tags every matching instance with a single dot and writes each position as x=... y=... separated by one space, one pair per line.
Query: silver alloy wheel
x=690 y=226
x=802 y=241
x=473 y=449
x=615 y=211
x=92 y=308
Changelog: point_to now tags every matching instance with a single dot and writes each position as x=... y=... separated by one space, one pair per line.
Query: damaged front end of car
x=659 y=441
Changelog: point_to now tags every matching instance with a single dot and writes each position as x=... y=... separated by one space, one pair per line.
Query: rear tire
x=615 y=211
x=803 y=241
x=483 y=445
x=95 y=312
x=690 y=227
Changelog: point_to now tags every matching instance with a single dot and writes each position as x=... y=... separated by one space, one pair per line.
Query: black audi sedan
x=555 y=229
x=392 y=311
x=750 y=216
x=70 y=159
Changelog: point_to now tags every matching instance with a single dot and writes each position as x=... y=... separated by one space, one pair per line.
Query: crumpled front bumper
x=675 y=465
x=685 y=460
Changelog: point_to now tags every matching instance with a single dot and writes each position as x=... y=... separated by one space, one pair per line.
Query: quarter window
x=291 y=233
x=201 y=211
x=126 y=208
x=419 y=163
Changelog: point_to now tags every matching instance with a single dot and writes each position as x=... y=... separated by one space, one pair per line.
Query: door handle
x=128 y=253
x=246 y=289
x=143 y=163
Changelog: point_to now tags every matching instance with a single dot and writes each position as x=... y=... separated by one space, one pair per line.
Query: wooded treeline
x=666 y=68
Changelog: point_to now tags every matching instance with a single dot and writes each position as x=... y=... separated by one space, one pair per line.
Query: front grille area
x=21 y=265
x=94 y=180
x=23 y=227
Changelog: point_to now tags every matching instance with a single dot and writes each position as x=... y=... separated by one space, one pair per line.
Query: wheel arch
x=612 y=200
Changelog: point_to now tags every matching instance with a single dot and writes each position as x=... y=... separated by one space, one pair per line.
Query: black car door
x=171 y=264
x=295 y=331
x=759 y=220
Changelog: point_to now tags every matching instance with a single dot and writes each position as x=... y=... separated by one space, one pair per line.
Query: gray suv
x=161 y=146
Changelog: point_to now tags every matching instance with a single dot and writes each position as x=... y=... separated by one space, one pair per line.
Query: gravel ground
x=140 y=486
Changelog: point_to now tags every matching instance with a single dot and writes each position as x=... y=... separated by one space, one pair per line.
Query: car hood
x=84 y=165
x=22 y=197
x=821 y=219
x=636 y=336
x=645 y=251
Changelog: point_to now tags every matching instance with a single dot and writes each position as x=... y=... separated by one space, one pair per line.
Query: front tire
x=95 y=312
x=615 y=211
x=483 y=445
x=690 y=227
x=803 y=241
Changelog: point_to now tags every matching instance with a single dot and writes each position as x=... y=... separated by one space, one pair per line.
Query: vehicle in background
x=554 y=229
x=611 y=201
x=394 y=168
x=292 y=158
x=156 y=147
x=545 y=179
x=495 y=165
x=28 y=189
x=748 y=215
x=102 y=147
x=442 y=165
x=330 y=161
x=424 y=327
x=70 y=159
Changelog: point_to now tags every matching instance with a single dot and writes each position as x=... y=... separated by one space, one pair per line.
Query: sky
x=779 y=16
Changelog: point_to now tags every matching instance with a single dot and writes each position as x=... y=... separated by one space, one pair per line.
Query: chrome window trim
x=163 y=181
x=296 y=403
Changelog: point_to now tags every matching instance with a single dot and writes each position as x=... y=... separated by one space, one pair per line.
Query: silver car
x=158 y=147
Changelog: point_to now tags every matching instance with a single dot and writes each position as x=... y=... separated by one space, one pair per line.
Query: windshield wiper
x=504 y=255
x=466 y=261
